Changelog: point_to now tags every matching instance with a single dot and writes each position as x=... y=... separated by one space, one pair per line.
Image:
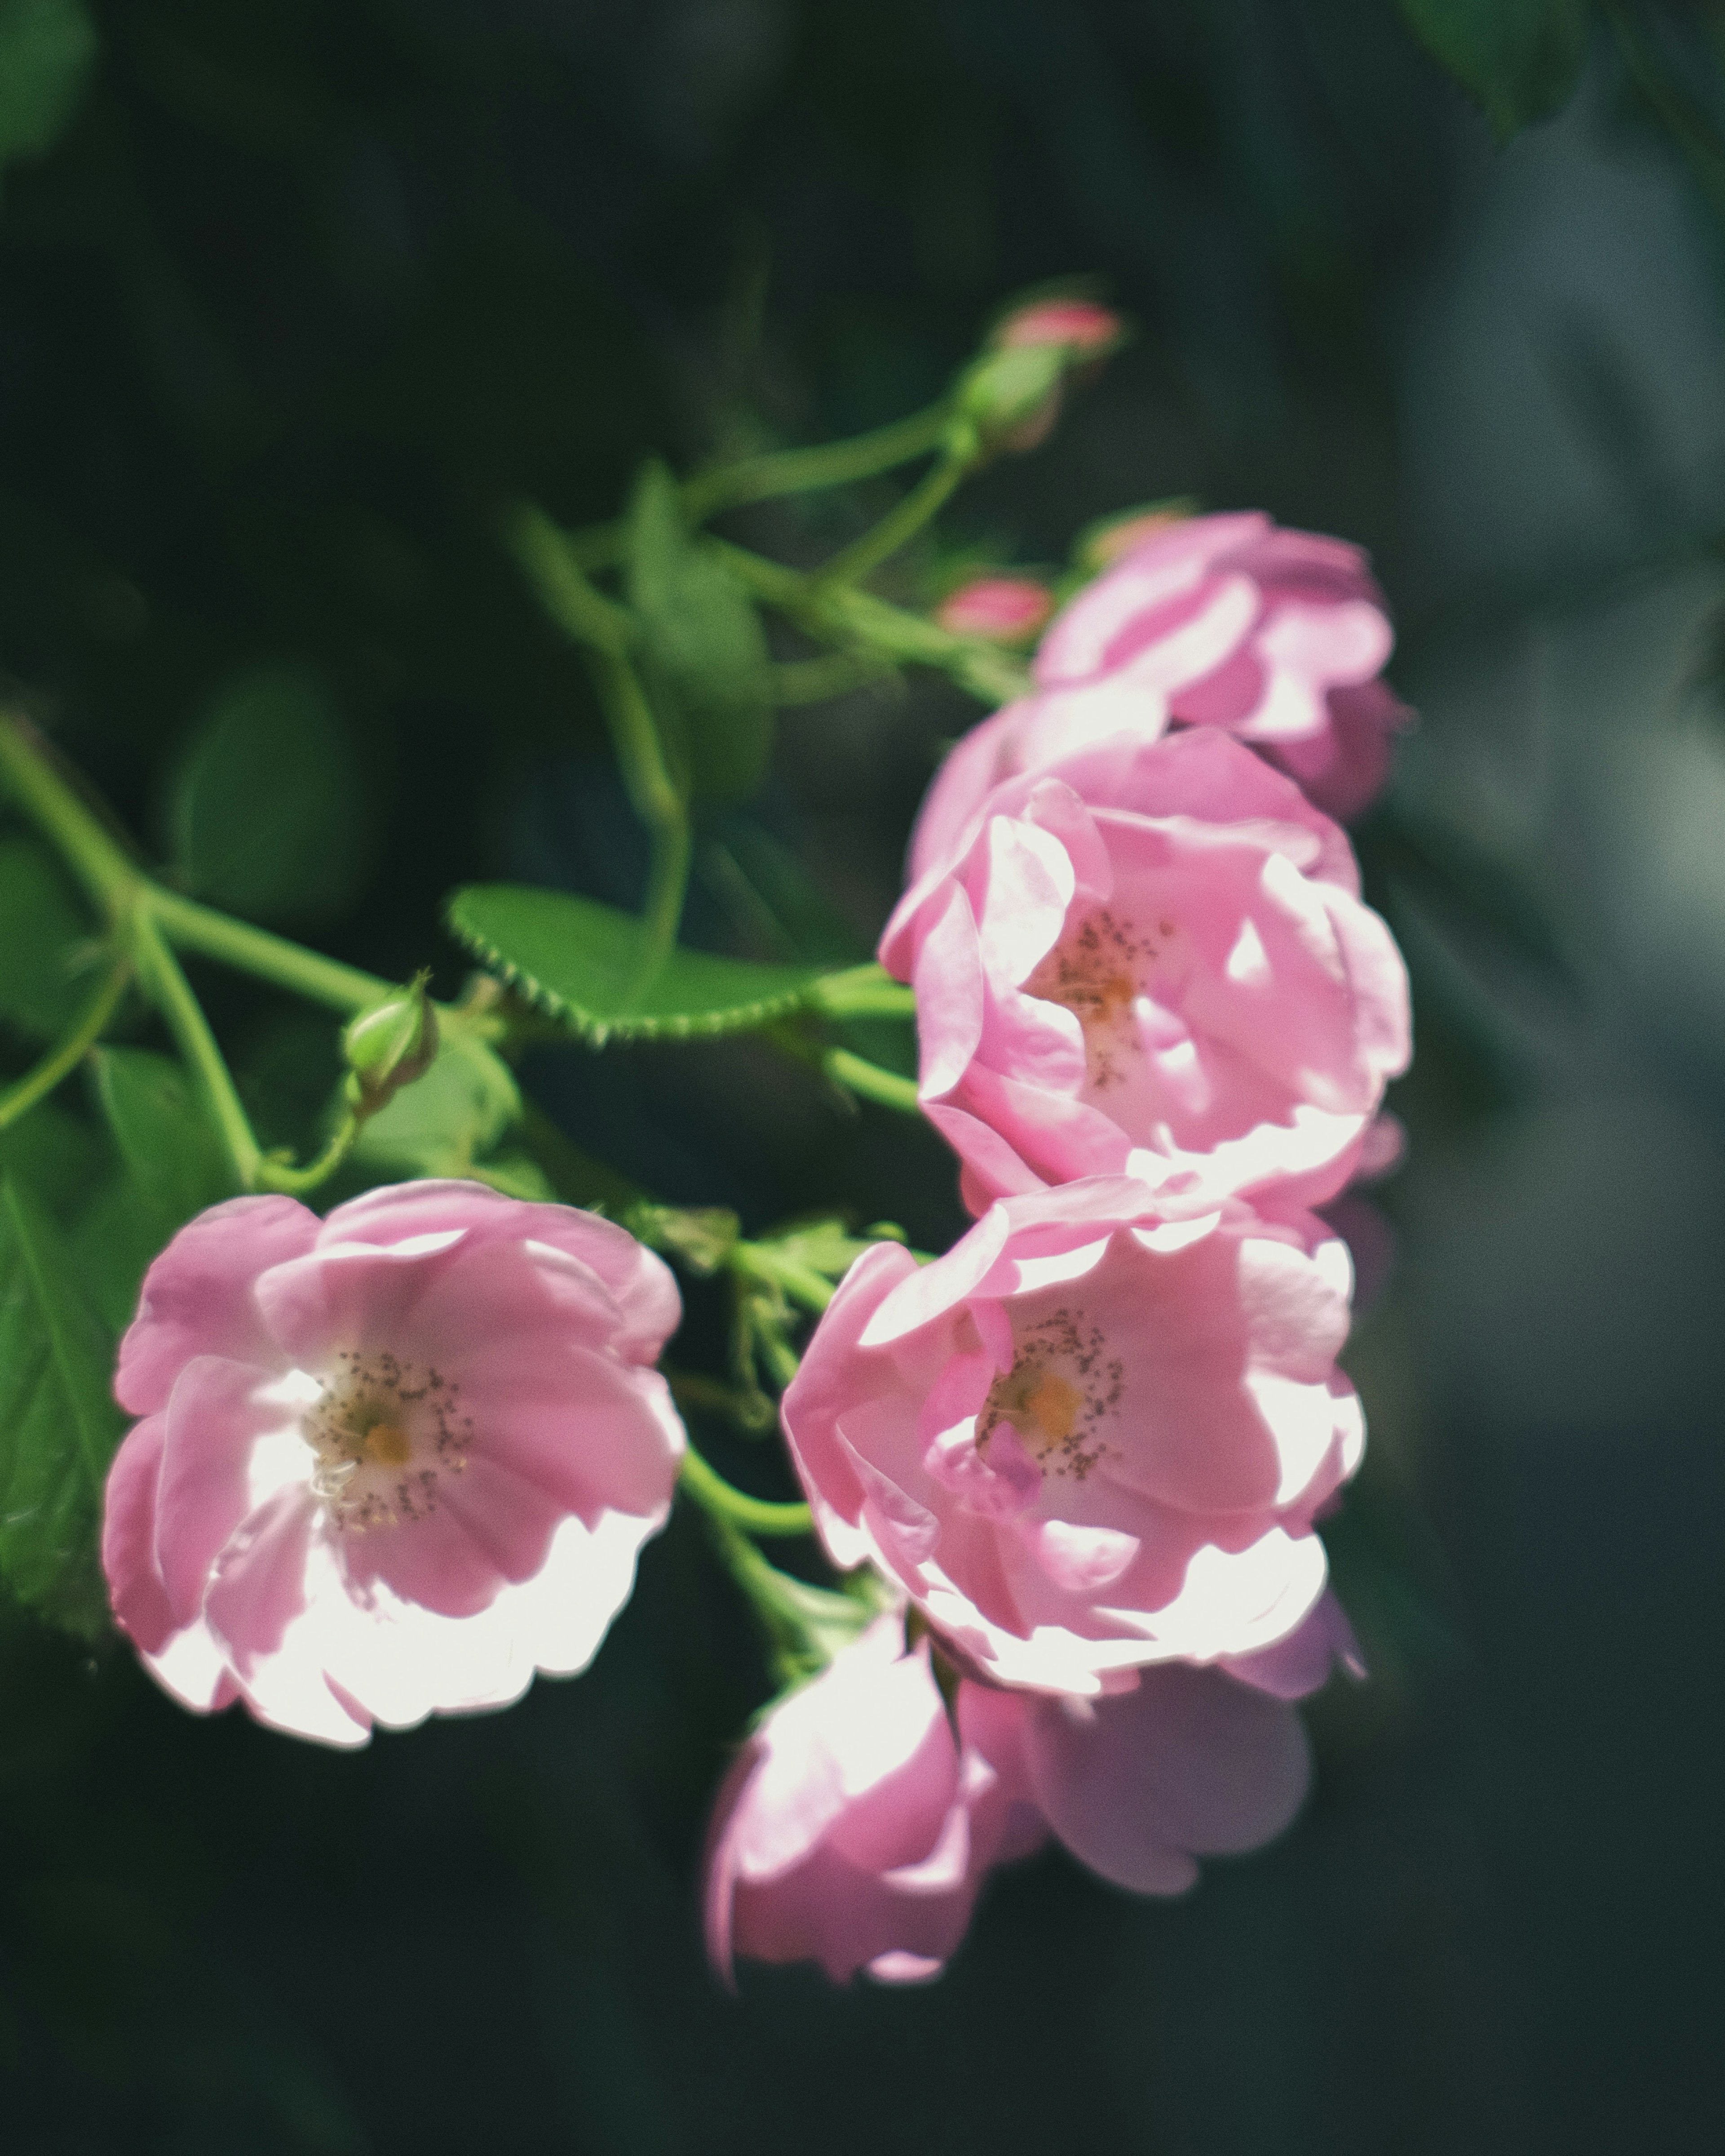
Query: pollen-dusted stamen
x=384 y=1436
x=1098 y=971
x=1060 y=1390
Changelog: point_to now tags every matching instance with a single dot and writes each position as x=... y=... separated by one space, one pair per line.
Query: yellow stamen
x=387 y=1443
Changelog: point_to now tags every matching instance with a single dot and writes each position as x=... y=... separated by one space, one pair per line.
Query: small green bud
x=1012 y=395
x=389 y=1046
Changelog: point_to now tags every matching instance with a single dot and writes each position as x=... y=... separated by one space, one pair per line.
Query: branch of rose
x=145 y=921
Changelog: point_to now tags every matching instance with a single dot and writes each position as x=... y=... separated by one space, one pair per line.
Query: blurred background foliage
x=293 y=297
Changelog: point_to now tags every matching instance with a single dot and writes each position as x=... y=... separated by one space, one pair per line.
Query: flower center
x=1061 y=1390
x=383 y=1435
x=1098 y=972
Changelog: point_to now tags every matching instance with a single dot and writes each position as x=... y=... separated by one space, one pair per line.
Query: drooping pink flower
x=1152 y=959
x=853 y=1829
x=857 y=1824
x=390 y=1462
x=1093 y=1436
x=1008 y=609
x=1276 y=637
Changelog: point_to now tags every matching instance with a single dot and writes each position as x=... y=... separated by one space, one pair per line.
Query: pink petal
x=1188 y=1763
x=215 y=1416
x=197 y=1297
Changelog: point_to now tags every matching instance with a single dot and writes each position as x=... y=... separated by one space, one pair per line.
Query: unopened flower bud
x=1102 y=543
x=1079 y=325
x=1012 y=394
x=1005 y=609
x=389 y=1046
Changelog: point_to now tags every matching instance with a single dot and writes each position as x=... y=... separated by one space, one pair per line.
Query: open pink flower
x=1153 y=959
x=1276 y=637
x=1093 y=1436
x=390 y=1462
x=853 y=1829
x=857 y=1824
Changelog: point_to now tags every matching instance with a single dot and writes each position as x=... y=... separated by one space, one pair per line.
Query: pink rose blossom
x=857 y=1824
x=1153 y=959
x=1092 y=1437
x=1276 y=637
x=1009 y=609
x=390 y=1462
x=852 y=1830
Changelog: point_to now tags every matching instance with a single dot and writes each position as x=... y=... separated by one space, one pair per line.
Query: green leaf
x=266 y=817
x=115 y=1239
x=55 y=1155
x=47 y=49
x=58 y=1424
x=580 y=962
x=447 y=1120
x=1518 y=59
x=171 y=1152
x=44 y=934
x=704 y=648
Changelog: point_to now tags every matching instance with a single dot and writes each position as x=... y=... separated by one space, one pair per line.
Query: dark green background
x=306 y=291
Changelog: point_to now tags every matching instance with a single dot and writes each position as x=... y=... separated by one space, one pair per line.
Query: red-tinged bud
x=1101 y=544
x=1005 y=609
x=1082 y=326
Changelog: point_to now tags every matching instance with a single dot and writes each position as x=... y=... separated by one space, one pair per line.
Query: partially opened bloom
x=860 y=1822
x=852 y=1829
x=392 y=1461
x=1276 y=637
x=1093 y=1436
x=1153 y=959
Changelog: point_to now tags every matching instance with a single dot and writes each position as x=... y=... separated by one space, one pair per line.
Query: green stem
x=801 y=1282
x=884 y=1087
x=864 y=992
x=901 y=523
x=757 y=1516
x=64 y=1057
x=655 y=796
x=606 y=633
x=781 y=472
x=48 y=796
x=775 y=474
x=859 y=621
x=282 y=1175
x=160 y=977
x=191 y=926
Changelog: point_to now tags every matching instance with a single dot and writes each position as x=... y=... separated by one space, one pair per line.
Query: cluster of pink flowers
x=1088 y=1446
x=392 y=1462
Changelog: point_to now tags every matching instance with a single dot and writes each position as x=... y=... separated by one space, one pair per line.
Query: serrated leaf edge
x=736 y=1017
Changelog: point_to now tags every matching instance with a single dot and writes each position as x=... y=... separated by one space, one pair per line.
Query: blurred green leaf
x=58 y=1424
x=580 y=962
x=266 y=817
x=1518 y=59
x=170 y=1149
x=448 y=1119
x=47 y=49
x=43 y=932
x=704 y=646
x=55 y=1155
